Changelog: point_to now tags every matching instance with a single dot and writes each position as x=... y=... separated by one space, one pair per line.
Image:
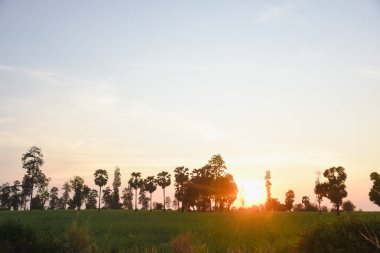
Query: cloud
x=274 y=11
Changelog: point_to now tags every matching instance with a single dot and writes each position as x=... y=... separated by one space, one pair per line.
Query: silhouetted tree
x=101 y=179
x=268 y=185
x=5 y=197
x=65 y=195
x=143 y=199
x=306 y=202
x=163 y=180
x=135 y=182
x=150 y=185
x=91 y=199
x=374 y=194
x=115 y=194
x=127 y=198
x=181 y=175
x=289 y=200
x=77 y=185
x=53 y=202
x=335 y=187
x=168 y=202
x=32 y=162
x=26 y=190
x=225 y=191
x=16 y=195
x=348 y=206
x=320 y=191
x=107 y=198
x=42 y=190
x=61 y=203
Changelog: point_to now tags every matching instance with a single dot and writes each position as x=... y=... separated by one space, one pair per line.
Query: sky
x=287 y=86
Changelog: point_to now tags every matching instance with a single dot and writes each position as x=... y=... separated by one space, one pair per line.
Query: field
x=217 y=232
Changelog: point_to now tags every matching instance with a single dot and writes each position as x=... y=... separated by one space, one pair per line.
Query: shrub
x=184 y=244
x=340 y=236
x=16 y=237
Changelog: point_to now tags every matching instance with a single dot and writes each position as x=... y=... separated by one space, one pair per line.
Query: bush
x=16 y=237
x=184 y=244
x=341 y=236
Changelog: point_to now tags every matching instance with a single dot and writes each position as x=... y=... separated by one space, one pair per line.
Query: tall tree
x=289 y=200
x=115 y=194
x=77 y=185
x=163 y=180
x=268 y=185
x=181 y=175
x=66 y=194
x=150 y=185
x=16 y=195
x=374 y=193
x=101 y=179
x=127 y=198
x=217 y=165
x=26 y=190
x=53 y=203
x=335 y=186
x=136 y=182
x=42 y=190
x=32 y=161
x=319 y=190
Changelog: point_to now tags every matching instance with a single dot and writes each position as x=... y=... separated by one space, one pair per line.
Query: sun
x=252 y=191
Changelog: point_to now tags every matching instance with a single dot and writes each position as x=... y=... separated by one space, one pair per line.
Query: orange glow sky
x=287 y=86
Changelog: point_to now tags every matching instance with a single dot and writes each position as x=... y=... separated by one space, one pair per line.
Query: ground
x=219 y=232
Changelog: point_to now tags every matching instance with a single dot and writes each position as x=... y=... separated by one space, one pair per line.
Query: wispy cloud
x=273 y=11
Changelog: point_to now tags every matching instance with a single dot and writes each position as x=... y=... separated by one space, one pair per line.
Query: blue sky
x=290 y=86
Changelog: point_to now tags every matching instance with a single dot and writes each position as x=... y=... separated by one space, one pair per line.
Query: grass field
x=218 y=232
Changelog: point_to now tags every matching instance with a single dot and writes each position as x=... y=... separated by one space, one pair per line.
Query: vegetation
x=101 y=178
x=374 y=194
x=335 y=188
x=240 y=231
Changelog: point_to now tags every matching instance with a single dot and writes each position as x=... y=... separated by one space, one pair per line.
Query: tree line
x=334 y=189
x=209 y=188
x=205 y=189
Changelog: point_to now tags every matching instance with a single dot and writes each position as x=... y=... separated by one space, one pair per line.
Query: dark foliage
x=342 y=236
x=16 y=237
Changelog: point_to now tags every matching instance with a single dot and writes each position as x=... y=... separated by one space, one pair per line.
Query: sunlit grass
x=219 y=232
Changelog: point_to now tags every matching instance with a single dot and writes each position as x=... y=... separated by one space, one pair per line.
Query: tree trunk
x=136 y=200
x=150 y=201
x=100 y=193
x=164 y=198
x=337 y=210
x=31 y=197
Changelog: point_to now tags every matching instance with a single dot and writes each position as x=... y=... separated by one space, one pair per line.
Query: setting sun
x=252 y=191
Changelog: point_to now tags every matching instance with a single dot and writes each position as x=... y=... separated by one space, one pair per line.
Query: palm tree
x=150 y=184
x=101 y=178
x=135 y=182
x=181 y=175
x=163 y=180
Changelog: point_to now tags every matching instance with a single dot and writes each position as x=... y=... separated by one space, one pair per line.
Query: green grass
x=135 y=231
